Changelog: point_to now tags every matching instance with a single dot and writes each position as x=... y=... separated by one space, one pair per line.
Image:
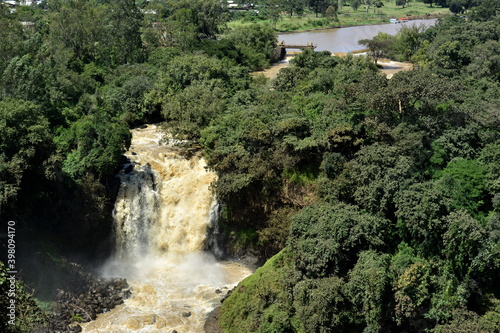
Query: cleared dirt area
x=389 y=67
x=272 y=71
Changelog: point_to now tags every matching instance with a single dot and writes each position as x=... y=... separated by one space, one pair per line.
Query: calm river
x=346 y=39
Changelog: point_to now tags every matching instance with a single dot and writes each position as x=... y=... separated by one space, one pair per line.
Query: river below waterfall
x=162 y=215
x=343 y=40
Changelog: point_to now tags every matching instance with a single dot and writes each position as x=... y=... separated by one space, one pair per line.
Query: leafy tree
x=24 y=145
x=123 y=42
x=484 y=10
x=294 y=6
x=368 y=288
x=331 y=14
x=419 y=212
x=326 y=238
x=367 y=4
x=469 y=321
x=78 y=27
x=430 y=2
x=458 y=6
x=417 y=97
x=207 y=16
x=124 y=95
x=169 y=33
x=458 y=142
x=28 y=315
x=374 y=177
x=320 y=305
x=408 y=40
x=24 y=78
x=188 y=69
x=319 y=6
x=93 y=144
x=355 y=4
x=462 y=242
x=106 y=34
x=412 y=291
x=193 y=108
x=485 y=61
x=401 y=3
x=465 y=181
x=488 y=157
x=378 y=46
x=311 y=60
x=11 y=40
x=256 y=43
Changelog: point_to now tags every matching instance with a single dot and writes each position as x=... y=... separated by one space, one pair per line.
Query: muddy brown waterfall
x=162 y=214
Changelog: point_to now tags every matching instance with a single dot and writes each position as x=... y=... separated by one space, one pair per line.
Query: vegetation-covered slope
x=398 y=180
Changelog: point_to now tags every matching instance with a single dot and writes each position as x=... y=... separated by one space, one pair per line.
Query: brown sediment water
x=345 y=40
x=162 y=213
x=342 y=41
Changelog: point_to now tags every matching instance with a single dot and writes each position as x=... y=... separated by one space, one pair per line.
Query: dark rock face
x=86 y=297
x=212 y=322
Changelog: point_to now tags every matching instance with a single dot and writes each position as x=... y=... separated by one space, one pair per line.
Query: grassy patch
x=244 y=238
x=303 y=176
x=259 y=303
x=349 y=17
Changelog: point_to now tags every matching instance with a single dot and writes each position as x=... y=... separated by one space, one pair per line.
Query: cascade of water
x=163 y=213
x=136 y=210
x=213 y=232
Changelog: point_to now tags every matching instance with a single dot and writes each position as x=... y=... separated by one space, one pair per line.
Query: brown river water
x=343 y=40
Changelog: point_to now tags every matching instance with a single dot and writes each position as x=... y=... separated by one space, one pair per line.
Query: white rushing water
x=162 y=213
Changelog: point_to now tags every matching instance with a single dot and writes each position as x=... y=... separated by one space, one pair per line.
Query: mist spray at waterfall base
x=162 y=214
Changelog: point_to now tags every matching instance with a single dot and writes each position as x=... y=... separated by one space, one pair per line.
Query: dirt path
x=389 y=68
x=272 y=71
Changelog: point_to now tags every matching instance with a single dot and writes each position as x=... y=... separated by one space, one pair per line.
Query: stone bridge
x=282 y=46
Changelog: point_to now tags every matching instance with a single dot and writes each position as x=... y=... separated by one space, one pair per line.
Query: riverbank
x=347 y=17
x=413 y=18
x=274 y=69
x=389 y=67
x=345 y=40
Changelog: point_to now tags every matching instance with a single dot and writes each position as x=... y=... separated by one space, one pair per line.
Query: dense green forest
x=377 y=200
x=382 y=195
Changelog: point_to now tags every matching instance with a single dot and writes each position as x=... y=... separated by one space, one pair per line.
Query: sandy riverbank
x=389 y=67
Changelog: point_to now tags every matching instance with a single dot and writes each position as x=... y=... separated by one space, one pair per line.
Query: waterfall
x=136 y=210
x=213 y=233
x=164 y=204
x=165 y=220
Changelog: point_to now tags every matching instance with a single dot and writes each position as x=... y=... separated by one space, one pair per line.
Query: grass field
x=348 y=17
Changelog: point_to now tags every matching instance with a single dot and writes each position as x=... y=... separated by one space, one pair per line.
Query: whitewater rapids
x=163 y=212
